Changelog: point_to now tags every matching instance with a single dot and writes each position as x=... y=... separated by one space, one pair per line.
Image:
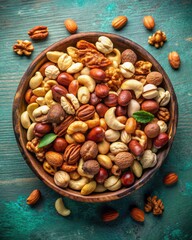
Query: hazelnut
x=56 y=114
x=150 y=106
x=96 y=134
x=124 y=160
x=94 y=100
x=102 y=90
x=91 y=167
x=120 y=111
x=60 y=144
x=89 y=150
x=128 y=56
x=111 y=100
x=152 y=130
x=97 y=74
x=155 y=78
x=124 y=97
x=101 y=109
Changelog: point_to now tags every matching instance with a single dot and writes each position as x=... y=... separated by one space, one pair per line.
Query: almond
x=170 y=179
x=174 y=60
x=149 y=22
x=137 y=214
x=33 y=197
x=119 y=22
x=54 y=159
x=71 y=25
x=110 y=215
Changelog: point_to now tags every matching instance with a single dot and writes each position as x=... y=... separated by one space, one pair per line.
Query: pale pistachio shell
x=61 y=179
x=83 y=95
x=61 y=209
x=30 y=132
x=53 y=56
x=30 y=108
x=104 y=45
x=64 y=62
x=112 y=135
x=78 y=184
x=137 y=169
x=25 y=120
x=109 y=182
x=39 y=91
x=117 y=147
x=116 y=186
x=52 y=72
x=81 y=171
x=87 y=81
x=163 y=126
x=133 y=107
x=104 y=161
x=149 y=159
x=150 y=91
x=127 y=69
x=88 y=188
x=103 y=147
x=36 y=80
x=125 y=137
x=74 y=68
x=166 y=99
x=100 y=188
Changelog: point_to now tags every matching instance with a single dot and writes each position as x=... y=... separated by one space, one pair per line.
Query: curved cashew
x=88 y=188
x=41 y=101
x=36 y=80
x=30 y=108
x=30 y=132
x=39 y=92
x=134 y=85
x=49 y=84
x=49 y=99
x=112 y=121
x=141 y=137
x=53 y=56
x=77 y=126
x=25 y=120
x=93 y=122
x=87 y=81
x=61 y=209
x=78 y=184
x=75 y=67
x=69 y=139
x=81 y=171
x=64 y=62
x=83 y=95
x=115 y=56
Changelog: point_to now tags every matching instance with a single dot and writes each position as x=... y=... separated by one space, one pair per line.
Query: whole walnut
x=91 y=167
x=129 y=56
x=89 y=150
x=124 y=160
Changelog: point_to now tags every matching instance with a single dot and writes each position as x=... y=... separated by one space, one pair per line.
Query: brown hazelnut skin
x=56 y=114
x=120 y=111
x=94 y=100
x=124 y=98
x=152 y=130
x=101 y=109
x=102 y=90
x=111 y=100
x=89 y=150
x=91 y=167
x=128 y=56
x=60 y=144
x=98 y=74
x=41 y=129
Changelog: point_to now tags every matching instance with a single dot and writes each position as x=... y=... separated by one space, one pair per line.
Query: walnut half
x=23 y=47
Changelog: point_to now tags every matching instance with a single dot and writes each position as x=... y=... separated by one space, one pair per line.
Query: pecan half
x=72 y=153
x=85 y=112
x=61 y=129
x=82 y=44
x=23 y=47
x=38 y=32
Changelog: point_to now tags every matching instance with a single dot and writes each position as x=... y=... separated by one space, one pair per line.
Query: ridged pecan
x=38 y=32
x=82 y=44
x=72 y=153
x=85 y=112
x=61 y=129
x=23 y=47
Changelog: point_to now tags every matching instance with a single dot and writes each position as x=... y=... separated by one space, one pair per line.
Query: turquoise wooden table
x=20 y=221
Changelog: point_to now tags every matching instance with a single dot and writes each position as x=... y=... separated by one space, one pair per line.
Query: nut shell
x=33 y=197
x=174 y=60
x=89 y=150
x=91 y=167
x=124 y=160
x=72 y=153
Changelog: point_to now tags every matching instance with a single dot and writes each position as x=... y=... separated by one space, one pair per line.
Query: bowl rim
x=29 y=158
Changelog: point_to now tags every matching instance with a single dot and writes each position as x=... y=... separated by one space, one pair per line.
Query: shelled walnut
x=23 y=47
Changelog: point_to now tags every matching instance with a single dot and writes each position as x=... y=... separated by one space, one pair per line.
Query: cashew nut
x=93 y=122
x=64 y=62
x=75 y=67
x=78 y=184
x=81 y=171
x=41 y=101
x=53 y=56
x=83 y=95
x=30 y=108
x=49 y=99
x=25 y=120
x=36 y=80
x=141 y=137
x=88 y=188
x=39 y=92
x=77 y=126
x=69 y=139
x=30 y=132
x=87 y=81
x=48 y=84
x=134 y=85
x=115 y=57
x=104 y=45
x=112 y=121
x=61 y=209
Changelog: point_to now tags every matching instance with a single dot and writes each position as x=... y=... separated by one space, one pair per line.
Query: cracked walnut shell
x=23 y=47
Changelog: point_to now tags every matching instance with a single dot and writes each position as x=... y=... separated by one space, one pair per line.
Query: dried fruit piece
x=174 y=60
x=33 y=197
x=170 y=179
x=110 y=215
x=137 y=214
x=71 y=25
x=119 y=22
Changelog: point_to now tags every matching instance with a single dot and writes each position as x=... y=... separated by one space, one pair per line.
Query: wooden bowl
x=19 y=106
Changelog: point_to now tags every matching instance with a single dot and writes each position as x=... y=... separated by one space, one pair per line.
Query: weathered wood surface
x=19 y=221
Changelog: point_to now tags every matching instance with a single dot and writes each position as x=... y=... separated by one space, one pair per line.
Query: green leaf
x=47 y=139
x=143 y=116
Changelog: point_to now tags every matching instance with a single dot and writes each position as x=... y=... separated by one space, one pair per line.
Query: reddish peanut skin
x=101 y=109
x=161 y=140
x=124 y=98
x=58 y=91
x=96 y=134
x=150 y=106
x=94 y=100
x=120 y=111
x=127 y=179
x=98 y=74
x=60 y=144
x=111 y=100
x=65 y=79
x=102 y=175
x=41 y=129
x=73 y=87
x=102 y=90
x=136 y=148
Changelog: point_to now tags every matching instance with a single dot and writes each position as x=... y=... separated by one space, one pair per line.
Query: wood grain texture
x=19 y=221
